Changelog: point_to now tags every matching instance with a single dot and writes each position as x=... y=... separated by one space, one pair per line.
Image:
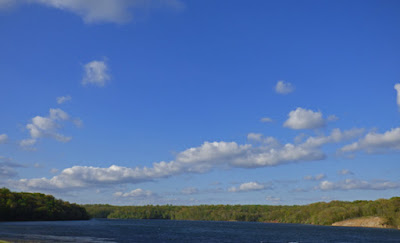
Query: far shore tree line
x=320 y=213
x=22 y=206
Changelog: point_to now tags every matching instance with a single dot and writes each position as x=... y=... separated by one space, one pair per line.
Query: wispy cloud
x=345 y=172
x=137 y=193
x=95 y=11
x=283 y=87
x=7 y=168
x=63 y=99
x=315 y=178
x=274 y=200
x=397 y=88
x=3 y=138
x=266 y=119
x=189 y=190
x=355 y=184
x=258 y=137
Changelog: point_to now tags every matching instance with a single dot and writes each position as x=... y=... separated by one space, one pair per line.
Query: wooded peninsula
x=23 y=206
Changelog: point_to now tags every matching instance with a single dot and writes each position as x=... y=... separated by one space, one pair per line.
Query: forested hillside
x=36 y=206
x=320 y=213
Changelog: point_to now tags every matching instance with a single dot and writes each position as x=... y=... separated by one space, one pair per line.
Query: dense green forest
x=320 y=213
x=16 y=206
x=37 y=206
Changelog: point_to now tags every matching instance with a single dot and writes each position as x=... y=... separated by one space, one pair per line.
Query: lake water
x=103 y=230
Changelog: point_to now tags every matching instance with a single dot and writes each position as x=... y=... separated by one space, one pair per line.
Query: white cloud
x=397 y=88
x=315 y=178
x=266 y=119
x=208 y=156
x=304 y=119
x=196 y=160
x=137 y=193
x=376 y=142
x=336 y=136
x=3 y=138
x=85 y=176
x=189 y=190
x=345 y=172
x=93 y=11
x=283 y=87
x=46 y=127
x=96 y=73
x=248 y=186
x=63 y=99
x=354 y=184
x=230 y=154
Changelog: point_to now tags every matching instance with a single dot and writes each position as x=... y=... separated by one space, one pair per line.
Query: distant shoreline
x=385 y=213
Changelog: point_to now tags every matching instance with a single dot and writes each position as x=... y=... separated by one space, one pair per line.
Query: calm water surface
x=103 y=230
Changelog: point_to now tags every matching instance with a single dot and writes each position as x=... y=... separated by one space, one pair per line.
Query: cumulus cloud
x=194 y=160
x=96 y=73
x=93 y=11
x=248 y=186
x=266 y=119
x=397 y=88
x=336 y=136
x=376 y=142
x=304 y=119
x=3 y=138
x=354 y=184
x=345 y=172
x=137 y=193
x=315 y=178
x=46 y=127
x=63 y=99
x=231 y=154
x=283 y=87
x=201 y=159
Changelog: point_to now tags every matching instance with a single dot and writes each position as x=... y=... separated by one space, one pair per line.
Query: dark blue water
x=103 y=230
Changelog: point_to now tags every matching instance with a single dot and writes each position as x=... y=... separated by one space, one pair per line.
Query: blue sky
x=200 y=102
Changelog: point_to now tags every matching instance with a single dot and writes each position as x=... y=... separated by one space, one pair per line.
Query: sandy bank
x=372 y=222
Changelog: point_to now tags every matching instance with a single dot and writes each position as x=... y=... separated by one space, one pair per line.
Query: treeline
x=36 y=206
x=320 y=213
